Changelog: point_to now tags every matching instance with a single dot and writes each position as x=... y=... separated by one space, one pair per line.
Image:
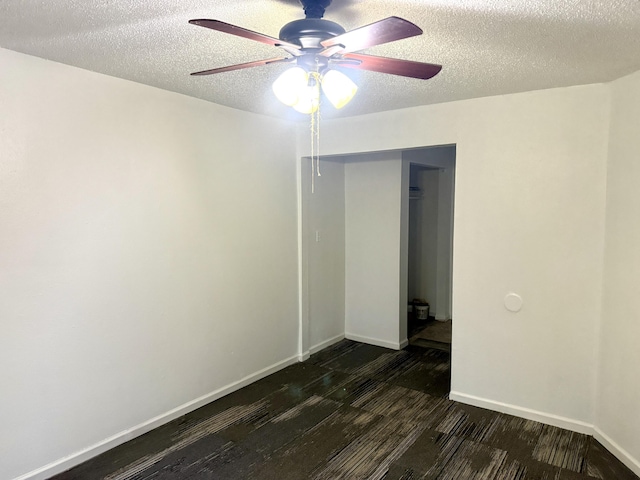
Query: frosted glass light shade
x=289 y=86
x=338 y=88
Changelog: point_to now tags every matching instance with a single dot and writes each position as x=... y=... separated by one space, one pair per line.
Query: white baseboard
x=326 y=343
x=619 y=452
x=373 y=341
x=442 y=318
x=77 y=458
x=404 y=343
x=555 y=420
x=529 y=414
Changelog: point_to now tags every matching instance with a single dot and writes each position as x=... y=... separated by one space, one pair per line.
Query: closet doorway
x=430 y=246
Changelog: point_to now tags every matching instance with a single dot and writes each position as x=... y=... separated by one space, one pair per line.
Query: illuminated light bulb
x=289 y=86
x=338 y=88
x=308 y=100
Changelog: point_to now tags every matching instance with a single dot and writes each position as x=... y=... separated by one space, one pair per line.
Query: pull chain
x=315 y=137
x=313 y=152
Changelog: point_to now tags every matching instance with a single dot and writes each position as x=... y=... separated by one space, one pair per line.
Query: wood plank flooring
x=354 y=411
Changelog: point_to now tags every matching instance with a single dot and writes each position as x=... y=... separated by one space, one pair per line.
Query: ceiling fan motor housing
x=308 y=33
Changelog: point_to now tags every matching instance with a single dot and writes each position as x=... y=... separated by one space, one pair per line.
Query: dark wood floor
x=354 y=411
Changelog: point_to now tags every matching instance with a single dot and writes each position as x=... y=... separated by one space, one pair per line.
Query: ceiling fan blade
x=393 y=66
x=385 y=31
x=240 y=66
x=292 y=48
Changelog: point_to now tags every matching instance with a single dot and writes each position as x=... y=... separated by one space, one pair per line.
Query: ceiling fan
x=316 y=45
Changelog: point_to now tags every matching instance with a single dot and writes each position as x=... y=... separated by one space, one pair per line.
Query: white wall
x=618 y=416
x=430 y=181
x=146 y=240
x=424 y=233
x=373 y=196
x=529 y=218
x=445 y=240
x=323 y=219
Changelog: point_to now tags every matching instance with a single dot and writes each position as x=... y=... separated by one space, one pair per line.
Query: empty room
x=208 y=249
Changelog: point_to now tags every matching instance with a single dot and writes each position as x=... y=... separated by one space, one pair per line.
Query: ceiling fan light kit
x=316 y=46
x=299 y=89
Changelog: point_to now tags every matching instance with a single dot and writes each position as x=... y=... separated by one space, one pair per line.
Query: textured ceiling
x=487 y=47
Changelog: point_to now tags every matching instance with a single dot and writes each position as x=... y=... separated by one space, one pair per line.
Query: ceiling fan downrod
x=315 y=8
